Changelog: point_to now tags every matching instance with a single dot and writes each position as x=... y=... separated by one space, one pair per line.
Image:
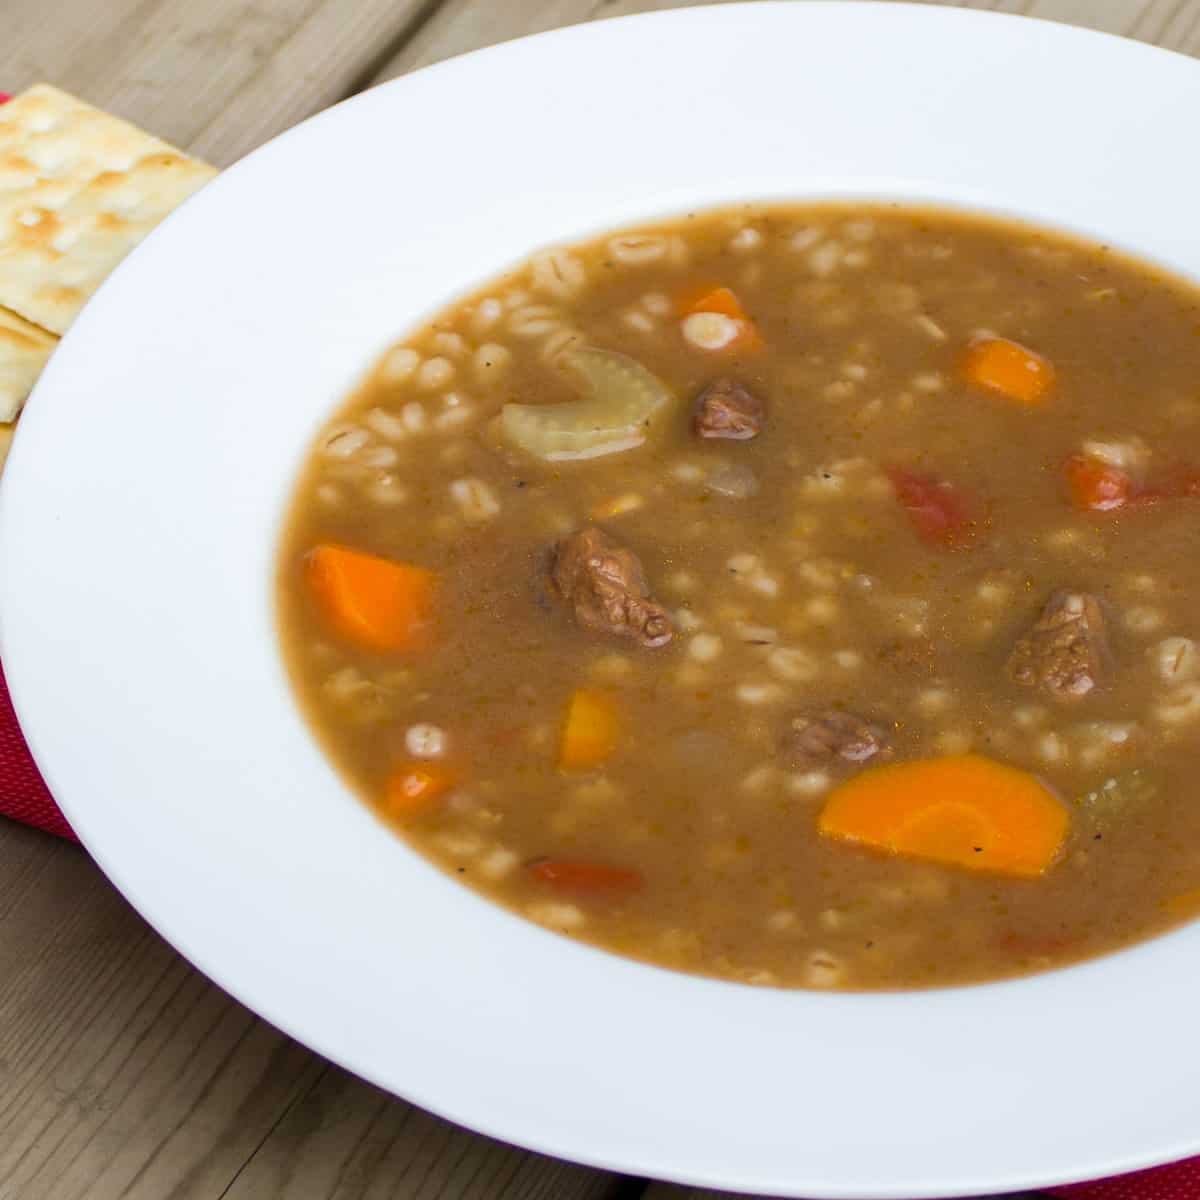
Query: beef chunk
x=1065 y=653
x=606 y=587
x=728 y=409
x=829 y=737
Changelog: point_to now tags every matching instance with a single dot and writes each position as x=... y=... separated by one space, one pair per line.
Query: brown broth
x=788 y=599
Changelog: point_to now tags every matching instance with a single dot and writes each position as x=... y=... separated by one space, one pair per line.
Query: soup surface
x=803 y=595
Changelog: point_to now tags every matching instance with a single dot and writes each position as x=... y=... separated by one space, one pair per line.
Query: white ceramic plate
x=140 y=514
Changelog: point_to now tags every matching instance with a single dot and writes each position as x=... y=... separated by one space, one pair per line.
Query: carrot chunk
x=415 y=787
x=586 y=878
x=940 y=513
x=710 y=299
x=1009 y=368
x=965 y=810
x=590 y=733
x=713 y=299
x=1096 y=486
x=373 y=602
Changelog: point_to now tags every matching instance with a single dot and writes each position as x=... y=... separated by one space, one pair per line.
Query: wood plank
x=123 y=1072
x=218 y=77
x=346 y=1140
x=25 y=856
x=1172 y=24
x=463 y=25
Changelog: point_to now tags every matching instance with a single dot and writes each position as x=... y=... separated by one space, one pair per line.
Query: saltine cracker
x=24 y=349
x=78 y=190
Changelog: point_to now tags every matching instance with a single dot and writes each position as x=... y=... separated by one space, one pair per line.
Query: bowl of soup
x=658 y=621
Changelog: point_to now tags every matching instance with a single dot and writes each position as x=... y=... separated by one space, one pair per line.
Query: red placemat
x=23 y=794
x=25 y=797
x=1177 y=1181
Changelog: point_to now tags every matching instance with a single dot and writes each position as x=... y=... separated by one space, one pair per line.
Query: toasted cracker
x=78 y=190
x=24 y=349
x=6 y=436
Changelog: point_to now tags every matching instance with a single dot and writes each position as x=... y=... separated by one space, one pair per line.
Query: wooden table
x=123 y=1071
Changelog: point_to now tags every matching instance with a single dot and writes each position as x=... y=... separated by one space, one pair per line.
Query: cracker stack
x=78 y=190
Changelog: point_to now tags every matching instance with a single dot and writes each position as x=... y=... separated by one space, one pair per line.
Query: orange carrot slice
x=587 y=878
x=714 y=299
x=373 y=602
x=966 y=810
x=709 y=299
x=590 y=732
x=1009 y=368
x=415 y=787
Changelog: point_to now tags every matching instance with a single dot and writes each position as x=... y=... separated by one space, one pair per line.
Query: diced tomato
x=4 y=97
x=1097 y=487
x=941 y=514
x=586 y=878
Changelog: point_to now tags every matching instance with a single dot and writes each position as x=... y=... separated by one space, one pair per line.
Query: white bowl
x=141 y=511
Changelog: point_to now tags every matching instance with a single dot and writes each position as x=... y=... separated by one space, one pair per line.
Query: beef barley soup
x=802 y=595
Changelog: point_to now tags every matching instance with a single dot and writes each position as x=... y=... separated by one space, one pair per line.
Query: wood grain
x=462 y=25
x=345 y=1140
x=123 y=1072
x=218 y=77
x=1173 y=24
